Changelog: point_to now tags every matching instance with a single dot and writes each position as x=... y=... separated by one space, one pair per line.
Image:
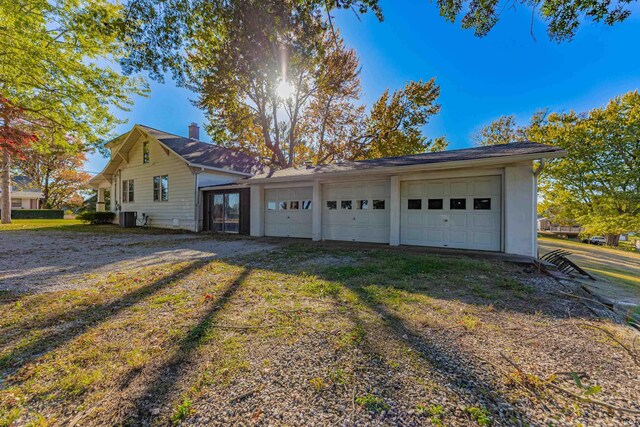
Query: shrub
x=96 y=217
x=37 y=214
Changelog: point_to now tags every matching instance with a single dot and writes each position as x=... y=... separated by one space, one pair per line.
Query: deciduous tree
x=598 y=182
x=56 y=65
x=57 y=169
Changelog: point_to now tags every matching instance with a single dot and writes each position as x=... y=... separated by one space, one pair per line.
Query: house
x=481 y=198
x=24 y=193
x=546 y=226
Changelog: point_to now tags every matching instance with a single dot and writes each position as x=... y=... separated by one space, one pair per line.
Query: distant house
x=481 y=198
x=24 y=193
x=546 y=225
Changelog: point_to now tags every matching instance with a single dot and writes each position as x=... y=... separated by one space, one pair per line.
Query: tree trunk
x=613 y=239
x=6 y=187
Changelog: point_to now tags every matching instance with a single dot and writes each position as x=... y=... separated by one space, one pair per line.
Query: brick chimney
x=194 y=131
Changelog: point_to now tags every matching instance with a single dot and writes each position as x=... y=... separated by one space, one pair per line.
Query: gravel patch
x=52 y=261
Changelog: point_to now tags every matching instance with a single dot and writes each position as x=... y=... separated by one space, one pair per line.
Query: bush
x=96 y=217
x=37 y=214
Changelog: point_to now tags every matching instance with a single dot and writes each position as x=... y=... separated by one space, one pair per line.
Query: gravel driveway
x=46 y=261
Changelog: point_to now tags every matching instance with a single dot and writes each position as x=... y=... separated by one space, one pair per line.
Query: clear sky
x=506 y=72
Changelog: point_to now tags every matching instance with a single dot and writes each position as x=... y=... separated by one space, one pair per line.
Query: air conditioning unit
x=128 y=219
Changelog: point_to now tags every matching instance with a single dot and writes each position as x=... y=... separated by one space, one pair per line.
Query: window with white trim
x=161 y=188
x=127 y=191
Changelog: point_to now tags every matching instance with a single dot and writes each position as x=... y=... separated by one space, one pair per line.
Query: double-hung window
x=161 y=188
x=127 y=191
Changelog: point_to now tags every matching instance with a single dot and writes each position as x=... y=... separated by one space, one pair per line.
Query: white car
x=596 y=240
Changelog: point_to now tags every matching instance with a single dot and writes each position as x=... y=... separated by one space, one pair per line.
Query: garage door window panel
x=379 y=204
x=271 y=206
x=306 y=204
x=346 y=204
x=362 y=204
x=283 y=206
x=482 y=204
x=458 y=204
x=332 y=205
x=414 y=204
x=294 y=205
x=435 y=204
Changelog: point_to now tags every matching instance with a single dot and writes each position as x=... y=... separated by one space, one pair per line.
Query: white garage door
x=288 y=212
x=454 y=213
x=356 y=212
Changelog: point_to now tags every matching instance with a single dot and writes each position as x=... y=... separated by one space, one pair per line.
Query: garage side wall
x=519 y=210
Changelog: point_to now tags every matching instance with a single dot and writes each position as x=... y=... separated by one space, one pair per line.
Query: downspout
x=536 y=173
x=196 y=198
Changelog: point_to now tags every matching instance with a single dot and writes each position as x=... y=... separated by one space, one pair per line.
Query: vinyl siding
x=179 y=210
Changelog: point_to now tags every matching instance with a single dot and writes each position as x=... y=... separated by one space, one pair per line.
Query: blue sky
x=480 y=79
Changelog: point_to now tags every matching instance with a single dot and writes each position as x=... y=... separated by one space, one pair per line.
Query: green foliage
x=37 y=214
x=598 y=183
x=372 y=403
x=504 y=130
x=480 y=415
x=183 y=410
x=96 y=217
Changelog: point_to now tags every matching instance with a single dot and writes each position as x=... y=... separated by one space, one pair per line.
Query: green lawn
x=74 y=226
x=621 y=267
x=346 y=335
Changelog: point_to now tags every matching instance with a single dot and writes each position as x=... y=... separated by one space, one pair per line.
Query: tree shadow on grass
x=83 y=320
x=162 y=387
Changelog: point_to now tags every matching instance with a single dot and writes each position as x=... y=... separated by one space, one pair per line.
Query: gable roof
x=198 y=153
x=193 y=152
x=515 y=150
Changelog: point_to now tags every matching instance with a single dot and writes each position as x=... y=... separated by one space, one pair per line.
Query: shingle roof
x=475 y=153
x=202 y=153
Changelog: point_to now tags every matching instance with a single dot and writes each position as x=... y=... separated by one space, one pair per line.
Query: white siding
x=520 y=210
x=179 y=210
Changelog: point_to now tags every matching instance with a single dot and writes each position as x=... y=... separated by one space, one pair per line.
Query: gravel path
x=46 y=262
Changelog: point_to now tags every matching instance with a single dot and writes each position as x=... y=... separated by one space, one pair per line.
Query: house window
x=127 y=191
x=378 y=204
x=161 y=188
x=283 y=206
x=16 y=203
x=271 y=206
x=306 y=204
x=459 y=204
x=145 y=152
x=332 y=204
x=414 y=204
x=435 y=204
x=294 y=205
x=345 y=204
x=482 y=204
x=362 y=204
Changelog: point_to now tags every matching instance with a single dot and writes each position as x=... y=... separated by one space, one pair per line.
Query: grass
x=76 y=226
x=621 y=268
x=173 y=336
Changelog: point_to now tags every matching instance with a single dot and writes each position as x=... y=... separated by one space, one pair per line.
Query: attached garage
x=481 y=198
x=288 y=212
x=356 y=212
x=463 y=213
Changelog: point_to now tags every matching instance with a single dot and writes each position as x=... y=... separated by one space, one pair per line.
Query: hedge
x=97 y=217
x=36 y=214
